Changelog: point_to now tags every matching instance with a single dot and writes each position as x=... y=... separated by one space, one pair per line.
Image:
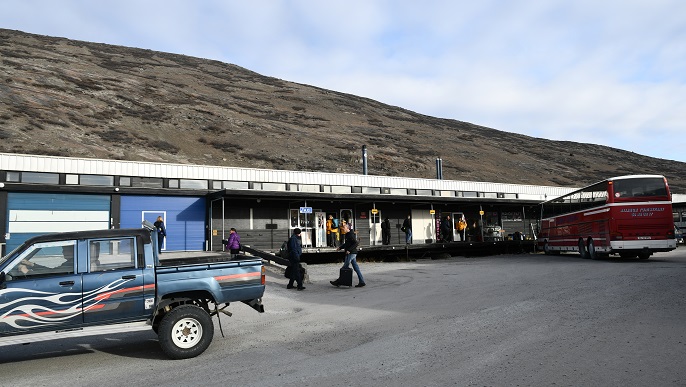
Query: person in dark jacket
x=407 y=229
x=447 y=229
x=295 y=250
x=161 y=233
x=386 y=232
x=350 y=248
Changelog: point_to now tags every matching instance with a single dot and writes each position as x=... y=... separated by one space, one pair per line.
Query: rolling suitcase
x=345 y=278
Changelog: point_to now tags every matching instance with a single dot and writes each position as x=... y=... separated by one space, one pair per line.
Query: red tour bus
x=627 y=215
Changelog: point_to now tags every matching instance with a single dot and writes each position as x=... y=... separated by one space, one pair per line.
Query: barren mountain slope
x=80 y=99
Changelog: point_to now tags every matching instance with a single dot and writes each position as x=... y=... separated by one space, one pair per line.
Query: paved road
x=501 y=321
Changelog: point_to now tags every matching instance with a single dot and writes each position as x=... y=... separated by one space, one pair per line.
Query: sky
x=608 y=72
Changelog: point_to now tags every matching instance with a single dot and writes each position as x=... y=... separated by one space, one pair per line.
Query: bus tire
x=582 y=249
x=546 y=248
x=591 y=250
x=644 y=255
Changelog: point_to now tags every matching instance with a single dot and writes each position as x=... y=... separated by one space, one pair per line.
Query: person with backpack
x=295 y=250
x=407 y=229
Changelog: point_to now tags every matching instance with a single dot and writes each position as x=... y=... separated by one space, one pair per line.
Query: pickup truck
x=103 y=282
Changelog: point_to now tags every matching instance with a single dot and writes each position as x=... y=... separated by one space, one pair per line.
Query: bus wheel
x=582 y=249
x=591 y=250
x=644 y=255
x=546 y=248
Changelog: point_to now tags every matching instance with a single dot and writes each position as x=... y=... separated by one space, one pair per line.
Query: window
x=191 y=184
x=13 y=177
x=146 y=182
x=371 y=190
x=173 y=183
x=111 y=254
x=125 y=181
x=43 y=260
x=236 y=185
x=309 y=188
x=339 y=189
x=97 y=180
x=273 y=186
x=640 y=187
x=40 y=177
x=71 y=179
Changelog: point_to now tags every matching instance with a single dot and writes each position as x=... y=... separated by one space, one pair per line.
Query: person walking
x=294 y=252
x=407 y=229
x=350 y=248
x=386 y=232
x=161 y=233
x=234 y=243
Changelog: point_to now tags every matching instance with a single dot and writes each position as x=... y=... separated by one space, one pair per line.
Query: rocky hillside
x=72 y=98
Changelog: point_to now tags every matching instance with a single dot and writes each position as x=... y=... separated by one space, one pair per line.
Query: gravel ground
x=526 y=320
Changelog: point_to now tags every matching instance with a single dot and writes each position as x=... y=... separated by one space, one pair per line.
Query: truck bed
x=199 y=257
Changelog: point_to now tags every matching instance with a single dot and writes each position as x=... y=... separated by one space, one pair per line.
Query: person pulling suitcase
x=345 y=277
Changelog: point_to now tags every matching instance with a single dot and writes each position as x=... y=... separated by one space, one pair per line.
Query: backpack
x=283 y=251
x=335 y=223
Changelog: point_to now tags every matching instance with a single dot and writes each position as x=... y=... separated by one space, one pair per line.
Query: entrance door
x=375 y=227
x=423 y=226
x=458 y=236
x=42 y=291
x=320 y=237
x=151 y=216
x=305 y=222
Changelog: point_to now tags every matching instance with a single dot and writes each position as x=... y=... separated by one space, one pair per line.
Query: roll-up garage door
x=184 y=218
x=31 y=214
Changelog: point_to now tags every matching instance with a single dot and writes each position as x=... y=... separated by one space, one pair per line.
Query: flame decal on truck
x=37 y=308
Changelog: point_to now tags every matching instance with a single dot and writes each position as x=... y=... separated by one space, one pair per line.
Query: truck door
x=116 y=283
x=42 y=291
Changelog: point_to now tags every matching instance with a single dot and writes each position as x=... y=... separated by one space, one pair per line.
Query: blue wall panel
x=185 y=218
x=24 y=204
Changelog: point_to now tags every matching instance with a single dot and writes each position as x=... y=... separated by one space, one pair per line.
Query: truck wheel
x=644 y=255
x=185 y=332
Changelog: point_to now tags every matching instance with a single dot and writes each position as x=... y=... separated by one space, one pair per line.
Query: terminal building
x=199 y=204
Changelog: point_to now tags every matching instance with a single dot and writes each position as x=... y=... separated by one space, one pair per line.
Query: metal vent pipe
x=364 y=159
x=439 y=168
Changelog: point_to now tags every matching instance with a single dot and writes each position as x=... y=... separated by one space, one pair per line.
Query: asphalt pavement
x=507 y=320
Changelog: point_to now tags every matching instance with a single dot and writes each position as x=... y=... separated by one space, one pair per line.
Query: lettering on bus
x=640 y=212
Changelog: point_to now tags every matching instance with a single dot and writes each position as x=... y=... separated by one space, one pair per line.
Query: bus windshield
x=640 y=188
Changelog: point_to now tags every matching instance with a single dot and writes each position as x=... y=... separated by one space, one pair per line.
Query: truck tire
x=185 y=332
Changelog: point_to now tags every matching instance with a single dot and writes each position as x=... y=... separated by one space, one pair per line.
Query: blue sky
x=604 y=72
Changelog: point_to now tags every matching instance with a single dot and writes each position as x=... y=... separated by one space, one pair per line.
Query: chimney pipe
x=439 y=168
x=364 y=159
